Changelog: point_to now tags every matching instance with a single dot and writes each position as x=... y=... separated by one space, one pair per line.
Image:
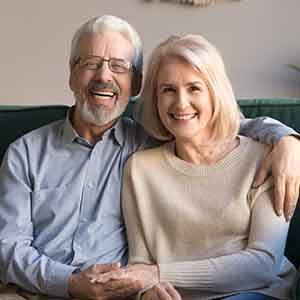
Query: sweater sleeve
x=138 y=252
x=255 y=266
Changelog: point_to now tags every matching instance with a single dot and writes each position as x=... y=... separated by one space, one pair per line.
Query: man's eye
x=90 y=65
x=119 y=66
x=167 y=89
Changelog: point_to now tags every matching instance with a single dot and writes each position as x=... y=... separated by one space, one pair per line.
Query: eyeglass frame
x=102 y=60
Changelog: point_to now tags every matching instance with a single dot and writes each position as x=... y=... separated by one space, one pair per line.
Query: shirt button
x=90 y=185
x=77 y=247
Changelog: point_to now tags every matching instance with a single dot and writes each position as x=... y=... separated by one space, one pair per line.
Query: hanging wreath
x=202 y=3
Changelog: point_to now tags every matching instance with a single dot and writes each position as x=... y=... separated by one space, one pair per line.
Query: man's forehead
x=107 y=44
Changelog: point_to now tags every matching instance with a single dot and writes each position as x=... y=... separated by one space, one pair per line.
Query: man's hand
x=146 y=275
x=162 y=291
x=284 y=163
x=81 y=285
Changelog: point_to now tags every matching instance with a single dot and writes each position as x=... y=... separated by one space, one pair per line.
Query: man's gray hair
x=109 y=23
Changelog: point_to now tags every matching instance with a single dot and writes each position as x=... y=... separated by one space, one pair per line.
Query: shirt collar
x=118 y=131
x=69 y=134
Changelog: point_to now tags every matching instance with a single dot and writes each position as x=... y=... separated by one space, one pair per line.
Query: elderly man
x=60 y=215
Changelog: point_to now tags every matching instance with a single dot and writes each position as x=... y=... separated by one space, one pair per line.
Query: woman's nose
x=182 y=100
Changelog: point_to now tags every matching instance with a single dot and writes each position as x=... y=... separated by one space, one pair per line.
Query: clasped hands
x=110 y=281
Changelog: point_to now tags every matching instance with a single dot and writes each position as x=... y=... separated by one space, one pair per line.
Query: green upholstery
x=285 y=110
x=17 y=120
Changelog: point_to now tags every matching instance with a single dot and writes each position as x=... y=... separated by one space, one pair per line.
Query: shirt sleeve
x=21 y=263
x=265 y=130
x=254 y=267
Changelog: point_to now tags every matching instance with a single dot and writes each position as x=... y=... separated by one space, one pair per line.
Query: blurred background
x=257 y=38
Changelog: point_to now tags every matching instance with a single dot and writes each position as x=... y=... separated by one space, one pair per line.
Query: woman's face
x=184 y=101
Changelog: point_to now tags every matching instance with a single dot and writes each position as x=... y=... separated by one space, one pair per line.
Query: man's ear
x=71 y=79
x=136 y=85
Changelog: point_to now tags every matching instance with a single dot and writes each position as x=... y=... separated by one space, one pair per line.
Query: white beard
x=97 y=114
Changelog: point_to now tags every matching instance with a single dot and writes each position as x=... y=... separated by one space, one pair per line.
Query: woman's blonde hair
x=199 y=53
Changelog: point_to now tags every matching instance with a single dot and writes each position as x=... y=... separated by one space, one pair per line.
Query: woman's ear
x=136 y=85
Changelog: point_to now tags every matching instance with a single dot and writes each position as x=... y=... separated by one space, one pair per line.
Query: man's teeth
x=104 y=94
x=183 y=116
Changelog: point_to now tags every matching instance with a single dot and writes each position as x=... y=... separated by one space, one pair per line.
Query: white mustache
x=105 y=85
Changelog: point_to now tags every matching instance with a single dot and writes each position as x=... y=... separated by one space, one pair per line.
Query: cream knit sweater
x=210 y=233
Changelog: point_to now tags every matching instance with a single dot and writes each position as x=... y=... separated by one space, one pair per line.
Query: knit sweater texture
x=208 y=230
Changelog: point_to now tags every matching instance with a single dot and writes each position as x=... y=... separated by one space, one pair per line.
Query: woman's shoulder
x=147 y=158
x=149 y=153
x=253 y=147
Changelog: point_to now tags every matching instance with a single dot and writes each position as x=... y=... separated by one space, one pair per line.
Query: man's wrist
x=72 y=284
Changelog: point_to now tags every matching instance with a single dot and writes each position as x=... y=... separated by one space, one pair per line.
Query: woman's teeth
x=183 y=116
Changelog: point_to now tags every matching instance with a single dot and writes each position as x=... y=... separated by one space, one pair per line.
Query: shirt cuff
x=280 y=133
x=58 y=282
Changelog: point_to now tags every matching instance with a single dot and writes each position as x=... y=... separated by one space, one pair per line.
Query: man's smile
x=103 y=94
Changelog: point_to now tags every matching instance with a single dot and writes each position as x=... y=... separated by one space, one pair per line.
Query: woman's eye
x=195 y=88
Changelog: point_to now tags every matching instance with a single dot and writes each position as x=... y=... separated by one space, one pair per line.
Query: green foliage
x=294 y=67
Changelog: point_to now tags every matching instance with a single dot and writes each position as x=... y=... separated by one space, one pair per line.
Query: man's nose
x=103 y=72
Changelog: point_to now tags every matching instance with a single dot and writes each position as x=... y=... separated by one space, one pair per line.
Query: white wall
x=257 y=38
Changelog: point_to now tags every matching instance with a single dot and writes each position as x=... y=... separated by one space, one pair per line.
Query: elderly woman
x=189 y=207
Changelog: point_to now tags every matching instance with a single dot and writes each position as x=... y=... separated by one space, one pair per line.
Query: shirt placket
x=87 y=205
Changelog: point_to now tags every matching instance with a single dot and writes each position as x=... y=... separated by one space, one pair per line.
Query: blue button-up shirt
x=60 y=204
x=60 y=201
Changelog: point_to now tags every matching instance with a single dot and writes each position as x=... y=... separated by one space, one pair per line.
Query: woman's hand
x=284 y=163
x=162 y=291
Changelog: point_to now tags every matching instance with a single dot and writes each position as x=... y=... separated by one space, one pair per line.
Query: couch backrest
x=17 y=120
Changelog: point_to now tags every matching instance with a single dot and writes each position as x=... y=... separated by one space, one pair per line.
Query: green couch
x=17 y=120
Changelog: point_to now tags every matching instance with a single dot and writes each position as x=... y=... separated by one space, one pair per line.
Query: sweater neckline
x=190 y=169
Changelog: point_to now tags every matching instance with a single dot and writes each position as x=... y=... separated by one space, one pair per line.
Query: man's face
x=101 y=95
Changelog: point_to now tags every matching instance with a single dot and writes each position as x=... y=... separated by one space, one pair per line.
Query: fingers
x=103 y=268
x=159 y=292
x=263 y=171
x=119 y=274
x=291 y=197
x=147 y=274
x=279 y=190
x=163 y=294
x=171 y=291
x=125 y=288
x=95 y=272
x=162 y=291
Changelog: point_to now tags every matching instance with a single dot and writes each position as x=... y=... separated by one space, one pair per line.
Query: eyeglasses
x=116 y=65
